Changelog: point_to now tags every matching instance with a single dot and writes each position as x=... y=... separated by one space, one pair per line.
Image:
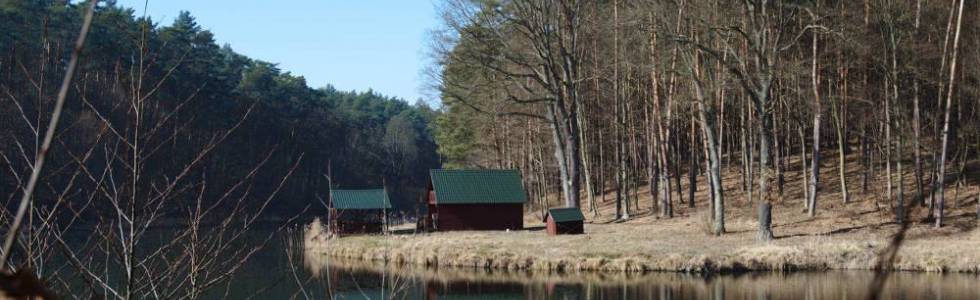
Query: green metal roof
x=360 y=199
x=567 y=214
x=478 y=186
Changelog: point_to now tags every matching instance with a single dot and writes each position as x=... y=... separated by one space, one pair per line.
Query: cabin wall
x=348 y=228
x=357 y=222
x=503 y=216
x=574 y=227
x=428 y=222
x=551 y=227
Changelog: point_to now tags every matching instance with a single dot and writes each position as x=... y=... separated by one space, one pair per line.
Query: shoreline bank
x=603 y=250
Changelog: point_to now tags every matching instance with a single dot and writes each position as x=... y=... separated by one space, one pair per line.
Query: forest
x=191 y=93
x=596 y=97
x=163 y=127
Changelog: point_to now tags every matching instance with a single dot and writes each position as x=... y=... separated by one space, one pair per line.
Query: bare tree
x=49 y=134
x=534 y=45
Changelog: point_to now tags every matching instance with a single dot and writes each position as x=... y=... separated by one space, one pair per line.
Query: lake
x=282 y=272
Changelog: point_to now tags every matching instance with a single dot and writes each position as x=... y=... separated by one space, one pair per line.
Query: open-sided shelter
x=358 y=211
x=568 y=220
x=475 y=200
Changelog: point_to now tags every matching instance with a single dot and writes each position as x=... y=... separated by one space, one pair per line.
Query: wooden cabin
x=358 y=211
x=475 y=200
x=567 y=220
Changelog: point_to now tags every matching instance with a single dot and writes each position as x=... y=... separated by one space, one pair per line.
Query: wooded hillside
x=162 y=111
x=588 y=95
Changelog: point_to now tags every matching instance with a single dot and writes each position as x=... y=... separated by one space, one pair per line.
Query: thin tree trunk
x=602 y=172
x=602 y=184
x=677 y=167
x=916 y=151
x=841 y=126
x=865 y=159
x=803 y=158
x=620 y=151
x=692 y=167
x=900 y=211
x=780 y=152
x=916 y=123
x=888 y=144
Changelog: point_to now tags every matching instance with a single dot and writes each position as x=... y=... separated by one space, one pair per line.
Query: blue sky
x=350 y=44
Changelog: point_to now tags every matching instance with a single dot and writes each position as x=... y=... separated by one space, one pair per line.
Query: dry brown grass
x=841 y=236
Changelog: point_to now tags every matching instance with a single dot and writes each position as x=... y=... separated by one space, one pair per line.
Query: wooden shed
x=567 y=220
x=358 y=211
x=475 y=200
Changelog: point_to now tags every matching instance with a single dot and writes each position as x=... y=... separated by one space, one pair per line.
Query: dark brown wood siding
x=349 y=228
x=501 y=216
x=356 y=222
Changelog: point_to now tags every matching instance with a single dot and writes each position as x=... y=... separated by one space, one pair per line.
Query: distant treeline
x=163 y=112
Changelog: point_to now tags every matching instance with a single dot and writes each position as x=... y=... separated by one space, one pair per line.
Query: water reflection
x=358 y=280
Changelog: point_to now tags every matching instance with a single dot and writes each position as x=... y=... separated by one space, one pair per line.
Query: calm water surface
x=282 y=272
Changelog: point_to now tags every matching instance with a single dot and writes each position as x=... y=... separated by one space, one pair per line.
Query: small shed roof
x=478 y=186
x=360 y=199
x=567 y=214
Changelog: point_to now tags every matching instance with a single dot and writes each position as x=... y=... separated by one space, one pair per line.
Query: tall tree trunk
x=840 y=120
x=584 y=156
x=765 y=165
x=747 y=183
x=941 y=202
x=692 y=166
x=916 y=123
x=574 y=160
x=602 y=184
x=817 y=118
x=695 y=155
x=840 y=124
x=916 y=151
x=900 y=211
x=939 y=107
x=660 y=136
x=560 y=148
x=653 y=161
x=620 y=147
x=713 y=157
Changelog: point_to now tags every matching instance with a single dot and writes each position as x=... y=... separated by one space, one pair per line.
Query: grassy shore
x=842 y=236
